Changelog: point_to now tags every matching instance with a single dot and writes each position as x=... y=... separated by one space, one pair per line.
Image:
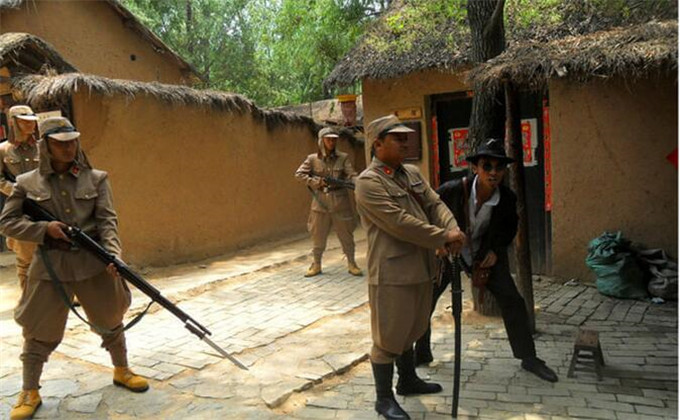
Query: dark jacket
x=503 y=224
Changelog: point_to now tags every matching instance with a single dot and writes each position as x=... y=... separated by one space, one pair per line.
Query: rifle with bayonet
x=80 y=238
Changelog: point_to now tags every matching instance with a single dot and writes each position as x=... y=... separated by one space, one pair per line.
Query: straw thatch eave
x=404 y=41
x=631 y=52
x=26 y=53
x=41 y=91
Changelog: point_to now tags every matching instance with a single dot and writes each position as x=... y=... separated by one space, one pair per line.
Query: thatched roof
x=41 y=91
x=417 y=35
x=633 y=51
x=130 y=20
x=26 y=53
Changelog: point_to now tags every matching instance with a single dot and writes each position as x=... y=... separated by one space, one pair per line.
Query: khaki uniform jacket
x=16 y=160
x=402 y=234
x=79 y=198
x=312 y=171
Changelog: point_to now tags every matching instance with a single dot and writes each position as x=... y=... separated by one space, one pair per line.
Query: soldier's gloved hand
x=56 y=230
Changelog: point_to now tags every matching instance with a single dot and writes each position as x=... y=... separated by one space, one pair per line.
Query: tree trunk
x=189 y=26
x=513 y=145
x=487 y=41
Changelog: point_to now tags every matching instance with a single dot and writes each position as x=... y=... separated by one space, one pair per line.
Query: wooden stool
x=587 y=352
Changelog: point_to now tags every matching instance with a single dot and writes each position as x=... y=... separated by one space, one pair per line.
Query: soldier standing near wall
x=405 y=222
x=331 y=205
x=19 y=154
x=66 y=185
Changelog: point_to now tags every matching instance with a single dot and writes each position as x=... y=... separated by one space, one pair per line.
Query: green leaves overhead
x=279 y=52
x=275 y=52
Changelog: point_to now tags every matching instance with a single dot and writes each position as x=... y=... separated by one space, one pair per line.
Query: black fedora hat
x=492 y=148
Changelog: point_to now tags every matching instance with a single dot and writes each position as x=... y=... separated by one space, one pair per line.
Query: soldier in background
x=66 y=185
x=19 y=154
x=331 y=205
x=405 y=223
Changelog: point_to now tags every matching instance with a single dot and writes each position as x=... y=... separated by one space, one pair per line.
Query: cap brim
x=330 y=135
x=503 y=159
x=400 y=129
x=71 y=135
x=28 y=117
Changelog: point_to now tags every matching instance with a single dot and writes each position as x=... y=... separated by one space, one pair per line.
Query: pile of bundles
x=629 y=271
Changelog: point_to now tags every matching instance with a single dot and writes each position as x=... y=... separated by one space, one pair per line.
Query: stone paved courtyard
x=305 y=342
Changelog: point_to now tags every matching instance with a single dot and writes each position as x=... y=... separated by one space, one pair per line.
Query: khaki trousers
x=42 y=314
x=400 y=315
x=24 y=252
x=319 y=226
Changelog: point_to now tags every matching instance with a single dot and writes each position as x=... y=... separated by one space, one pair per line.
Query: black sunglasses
x=487 y=166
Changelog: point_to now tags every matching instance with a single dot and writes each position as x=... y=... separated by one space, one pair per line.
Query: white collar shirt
x=478 y=222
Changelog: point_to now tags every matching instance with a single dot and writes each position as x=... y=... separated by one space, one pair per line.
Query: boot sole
x=122 y=385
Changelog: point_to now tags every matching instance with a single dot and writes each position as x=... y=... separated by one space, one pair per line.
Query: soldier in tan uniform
x=406 y=223
x=19 y=154
x=331 y=205
x=66 y=185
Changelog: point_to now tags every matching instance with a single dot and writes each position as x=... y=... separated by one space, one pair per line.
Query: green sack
x=618 y=274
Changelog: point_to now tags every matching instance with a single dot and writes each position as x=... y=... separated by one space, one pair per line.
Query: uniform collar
x=74 y=171
x=384 y=168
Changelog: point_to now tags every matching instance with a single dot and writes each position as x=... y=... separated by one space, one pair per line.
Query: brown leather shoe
x=313 y=270
x=353 y=269
x=123 y=376
x=28 y=403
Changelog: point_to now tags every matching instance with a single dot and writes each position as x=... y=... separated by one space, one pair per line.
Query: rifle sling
x=318 y=200
x=59 y=287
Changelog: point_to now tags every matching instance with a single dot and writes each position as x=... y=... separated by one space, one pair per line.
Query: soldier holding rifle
x=328 y=174
x=66 y=185
x=19 y=154
x=406 y=223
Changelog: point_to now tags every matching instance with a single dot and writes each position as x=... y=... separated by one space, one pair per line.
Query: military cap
x=58 y=128
x=383 y=126
x=22 y=112
x=328 y=132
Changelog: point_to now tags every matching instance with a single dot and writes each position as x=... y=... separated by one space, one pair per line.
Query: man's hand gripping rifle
x=37 y=213
x=338 y=183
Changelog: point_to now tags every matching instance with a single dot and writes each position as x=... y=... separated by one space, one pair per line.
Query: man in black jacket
x=485 y=210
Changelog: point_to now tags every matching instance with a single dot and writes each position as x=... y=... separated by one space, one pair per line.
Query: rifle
x=339 y=183
x=37 y=213
x=452 y=268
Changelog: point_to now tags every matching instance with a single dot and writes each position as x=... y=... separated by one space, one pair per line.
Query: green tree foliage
x=275 y=52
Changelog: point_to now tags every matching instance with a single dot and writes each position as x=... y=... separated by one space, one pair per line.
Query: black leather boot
x=409 y=383
x=385 y=404
x=423 y=349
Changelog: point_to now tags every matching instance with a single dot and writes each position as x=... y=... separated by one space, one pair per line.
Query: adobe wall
x=94 y=38
x=610 y=142
x=192 y=182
